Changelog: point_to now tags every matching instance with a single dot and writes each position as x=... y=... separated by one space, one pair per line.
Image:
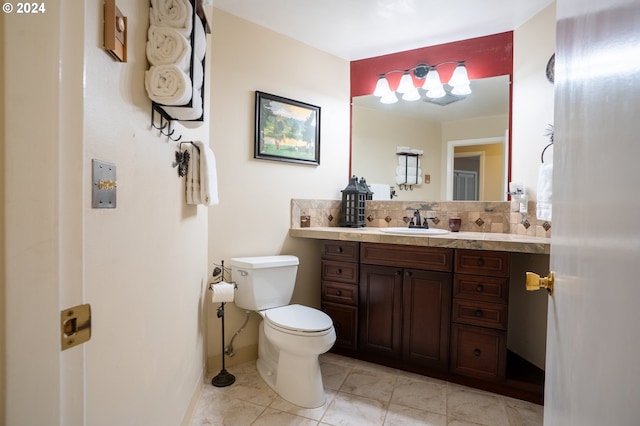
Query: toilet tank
x=264 y=282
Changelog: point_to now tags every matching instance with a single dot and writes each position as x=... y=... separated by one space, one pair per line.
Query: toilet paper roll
x=222 y=292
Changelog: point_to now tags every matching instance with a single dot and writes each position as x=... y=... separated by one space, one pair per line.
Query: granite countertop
x=463 y=240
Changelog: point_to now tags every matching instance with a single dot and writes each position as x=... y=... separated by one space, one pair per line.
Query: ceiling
x=357 y=29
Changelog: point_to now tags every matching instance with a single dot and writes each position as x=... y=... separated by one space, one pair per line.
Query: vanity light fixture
x=433 y=86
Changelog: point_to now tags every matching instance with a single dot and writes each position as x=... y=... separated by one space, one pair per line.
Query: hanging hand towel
x=176 y=14
x=167 y=46
x=545 y=185
x=192 y=181
x=168 y=85
x=208 y=175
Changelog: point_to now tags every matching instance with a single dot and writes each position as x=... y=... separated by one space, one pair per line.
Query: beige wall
x=534 y=43
x=255 y=195
x=493 y=172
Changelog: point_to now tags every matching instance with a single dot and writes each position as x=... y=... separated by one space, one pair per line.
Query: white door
x=593 y=334
x=42 y=183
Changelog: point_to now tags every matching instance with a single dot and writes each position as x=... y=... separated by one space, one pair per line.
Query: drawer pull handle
x=477 y=352
x=479 y=313
x=480 y=261
x=338 y=293
x=480 y=288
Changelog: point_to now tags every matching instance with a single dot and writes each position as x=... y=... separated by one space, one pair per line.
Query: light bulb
x=382 y=87
x=461 y=90
x=411 y=95
x=389 y=98
x=459 y=76
x=436 y=93
x=432 y=81
x=406 y=83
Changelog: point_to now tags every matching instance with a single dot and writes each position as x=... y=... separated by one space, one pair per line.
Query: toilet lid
x=299 y=318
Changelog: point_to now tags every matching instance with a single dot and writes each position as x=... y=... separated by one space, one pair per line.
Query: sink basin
x=414 y=231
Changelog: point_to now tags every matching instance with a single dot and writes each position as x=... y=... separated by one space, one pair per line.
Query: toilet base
x=295 y=378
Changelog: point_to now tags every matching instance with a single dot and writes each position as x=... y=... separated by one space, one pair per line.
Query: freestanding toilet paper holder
x=224 y=378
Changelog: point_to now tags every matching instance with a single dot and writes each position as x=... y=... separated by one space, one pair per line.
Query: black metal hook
x=165 y=123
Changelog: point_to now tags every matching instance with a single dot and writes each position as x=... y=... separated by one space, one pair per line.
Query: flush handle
x=535 y=282
x=75 y=326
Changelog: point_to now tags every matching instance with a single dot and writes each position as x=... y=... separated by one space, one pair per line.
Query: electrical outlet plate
x=104 y=189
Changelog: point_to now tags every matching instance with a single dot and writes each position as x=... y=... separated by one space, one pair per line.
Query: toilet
x=291 y=337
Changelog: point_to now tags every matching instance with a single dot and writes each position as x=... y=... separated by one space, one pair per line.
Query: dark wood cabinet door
x=345 y=322
x=380 y=310
x=426 y=306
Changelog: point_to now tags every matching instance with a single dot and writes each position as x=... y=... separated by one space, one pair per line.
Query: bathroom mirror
x=465 y=143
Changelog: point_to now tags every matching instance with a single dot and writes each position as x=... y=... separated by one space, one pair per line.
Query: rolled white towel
x=198 y=75
x=200 y=40
x=407 y=161
x=186 y=113
x=167 y=46
x=168 y=85
x=410 y=171
x=409 y=180
x=176 y=14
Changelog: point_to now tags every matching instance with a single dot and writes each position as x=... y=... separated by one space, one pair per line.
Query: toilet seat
x=298 y=319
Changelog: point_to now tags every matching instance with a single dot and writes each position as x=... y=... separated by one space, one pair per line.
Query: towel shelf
x=165 y=119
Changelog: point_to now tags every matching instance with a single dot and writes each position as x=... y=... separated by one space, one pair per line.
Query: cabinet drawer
x=345 y=322
x=339 y=271
x=484 y=314
x=340 y=293
x=482 y=262
x=478 y=352
x=401 y=256
x=346 y=251
x=477 y=287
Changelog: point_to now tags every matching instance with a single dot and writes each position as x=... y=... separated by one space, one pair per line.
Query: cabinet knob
x=398 y=272
x=338 y=293
x=479 y=313
x=477 y=352
x=480 y=261
x=407 y=273
x=480 y=288
x=339 y=271
x=339 y=250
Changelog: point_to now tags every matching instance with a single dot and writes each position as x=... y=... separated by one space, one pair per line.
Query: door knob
x=535 y=281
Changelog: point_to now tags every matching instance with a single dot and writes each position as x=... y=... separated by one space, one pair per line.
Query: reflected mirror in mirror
x=474 y=127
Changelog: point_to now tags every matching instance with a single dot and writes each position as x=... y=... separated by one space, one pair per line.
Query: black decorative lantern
x=365 y=188
x=353 y=200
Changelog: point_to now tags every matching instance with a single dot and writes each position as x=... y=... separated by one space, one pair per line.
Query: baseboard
x=191 y=409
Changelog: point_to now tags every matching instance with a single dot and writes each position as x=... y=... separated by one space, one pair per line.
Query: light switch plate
x=104 y=189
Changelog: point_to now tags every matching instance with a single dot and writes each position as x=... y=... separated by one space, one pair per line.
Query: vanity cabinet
x=480 y=308
x=339 y=287
x=404 y=309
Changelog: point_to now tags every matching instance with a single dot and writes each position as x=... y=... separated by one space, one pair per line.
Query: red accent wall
x=487 y=56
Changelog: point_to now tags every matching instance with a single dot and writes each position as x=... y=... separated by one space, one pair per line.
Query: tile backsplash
x=477 y=216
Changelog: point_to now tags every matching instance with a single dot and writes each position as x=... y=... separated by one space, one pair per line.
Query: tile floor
x=360 y=393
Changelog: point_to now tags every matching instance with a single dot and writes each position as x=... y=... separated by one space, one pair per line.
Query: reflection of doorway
x=493 y=169
x=467 y=168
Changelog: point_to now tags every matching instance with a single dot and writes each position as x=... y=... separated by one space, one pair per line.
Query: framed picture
x=286 y=130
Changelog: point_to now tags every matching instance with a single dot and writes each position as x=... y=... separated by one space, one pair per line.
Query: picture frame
x=286 y=130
